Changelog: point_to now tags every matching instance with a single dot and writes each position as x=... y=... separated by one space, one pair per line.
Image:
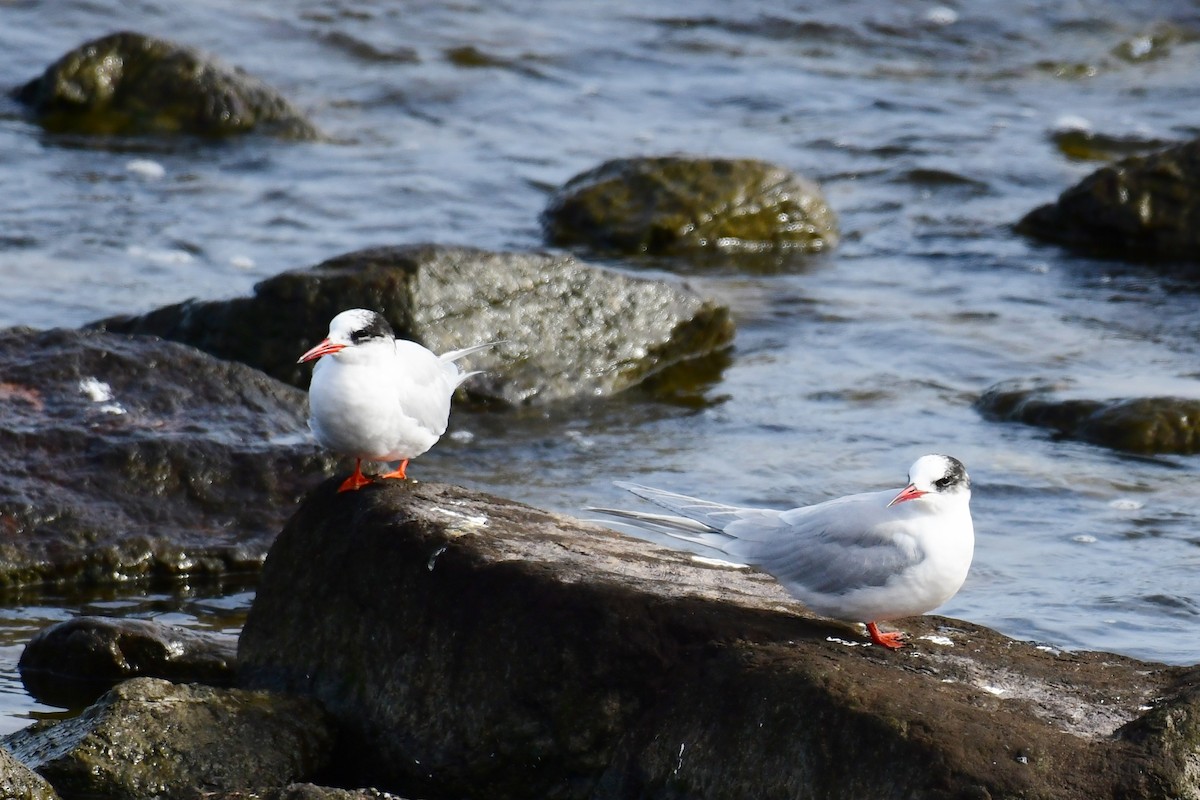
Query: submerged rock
x=19 y=782
x=469 y=646
x=127 y=83
x=1146 y=425
x=1142 y=207
x=72 y=663
x=678 y=205
x=129 y=456
x=570 y=329
x=148 y=739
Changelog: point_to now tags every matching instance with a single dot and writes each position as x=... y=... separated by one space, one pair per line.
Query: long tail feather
x=713 y=516
x=455 y=355
x=448 y=360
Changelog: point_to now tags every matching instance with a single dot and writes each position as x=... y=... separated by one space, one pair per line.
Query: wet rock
x=571 y=329
x=72 y=663
x=469 y=646
x=1142 y=207
x=1083 y=144
x=305 y=791
x=19 y=782
x=1146 y=425
x=130 y=84
x=127 y=457
x=148 y=738
x=678 y=205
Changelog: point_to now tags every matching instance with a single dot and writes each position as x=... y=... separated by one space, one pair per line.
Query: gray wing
x=830 y=548
x=429 y=382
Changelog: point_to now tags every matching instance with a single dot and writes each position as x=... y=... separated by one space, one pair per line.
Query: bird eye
x=943 y=483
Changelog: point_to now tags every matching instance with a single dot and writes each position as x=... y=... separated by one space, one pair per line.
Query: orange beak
x=323 y=348
x=909 y=492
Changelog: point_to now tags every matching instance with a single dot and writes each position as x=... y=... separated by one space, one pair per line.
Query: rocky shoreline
x=426 y=640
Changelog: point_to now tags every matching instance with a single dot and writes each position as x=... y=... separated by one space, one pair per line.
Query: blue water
x=930 y=128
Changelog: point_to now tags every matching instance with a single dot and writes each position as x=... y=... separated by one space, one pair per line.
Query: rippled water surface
x=930 y=128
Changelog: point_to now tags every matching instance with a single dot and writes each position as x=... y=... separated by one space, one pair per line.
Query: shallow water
x=929 y=126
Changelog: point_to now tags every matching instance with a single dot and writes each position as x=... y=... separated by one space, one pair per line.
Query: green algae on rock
x=673 y=205
x=1144 y=425
x=569 y=329
x=148 y=739
x=130 y=84
x=19 y=782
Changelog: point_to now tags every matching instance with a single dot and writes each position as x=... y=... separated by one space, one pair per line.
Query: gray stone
x=72 y=663
x=469 y=646
x=149 y=739
x=127 y=83
x=129 y=456
x=571 y=330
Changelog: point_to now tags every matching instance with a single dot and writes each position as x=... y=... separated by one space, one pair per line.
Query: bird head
x=356 y=326
x=935 y=476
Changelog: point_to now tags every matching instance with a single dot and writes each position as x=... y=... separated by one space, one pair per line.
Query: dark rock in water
x=474 y=647
x=129 y=457
x=571 y=329
x=679 y=205
x=1082 y=144
x=72 y=663
x=1146 y=425
x=1142 y=207
x=304 y=791
x=19 y=782
x=130 y=84
x=149 y=739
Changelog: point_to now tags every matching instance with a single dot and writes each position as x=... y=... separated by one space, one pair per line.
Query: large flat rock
x=470 y=646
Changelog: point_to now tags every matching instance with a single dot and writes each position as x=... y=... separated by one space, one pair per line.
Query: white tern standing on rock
x=862 y=558
x=376 y=397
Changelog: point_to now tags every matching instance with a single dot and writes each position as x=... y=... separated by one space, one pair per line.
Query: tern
x=865 y=558
x=376 y=397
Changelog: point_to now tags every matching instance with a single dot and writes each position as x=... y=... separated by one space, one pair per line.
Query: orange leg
x=892 y=641
x=399 y=473
x=356 y=480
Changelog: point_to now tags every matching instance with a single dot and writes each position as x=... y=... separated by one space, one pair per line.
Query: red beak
x=909 y=492
x=324 y=348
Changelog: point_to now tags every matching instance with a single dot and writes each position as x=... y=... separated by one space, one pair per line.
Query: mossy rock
x=149 y=739
x=131 y=84
x=1143 y=207
x=675 y=205
x=1144 y=425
